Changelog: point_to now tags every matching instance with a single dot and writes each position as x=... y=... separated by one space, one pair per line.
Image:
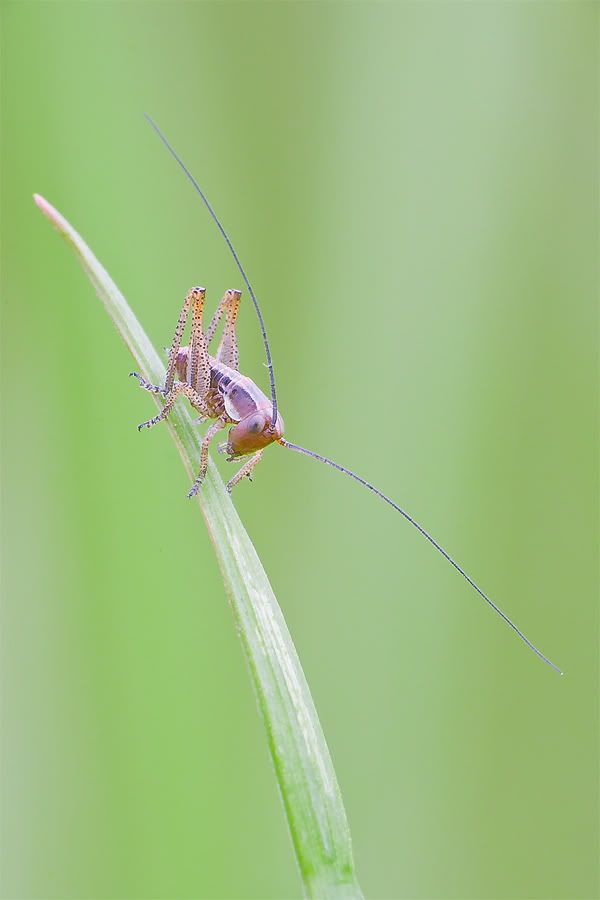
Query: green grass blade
x=303 y=766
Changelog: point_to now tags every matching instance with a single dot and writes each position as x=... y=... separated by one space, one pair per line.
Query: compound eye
x=256 y=424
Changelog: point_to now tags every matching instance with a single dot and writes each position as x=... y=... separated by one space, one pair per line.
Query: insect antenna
x=217 y=222
x=415 y=524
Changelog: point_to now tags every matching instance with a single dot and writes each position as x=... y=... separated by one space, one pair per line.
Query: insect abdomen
x=240 y=395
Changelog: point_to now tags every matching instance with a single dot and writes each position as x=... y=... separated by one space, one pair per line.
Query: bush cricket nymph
x=218 y=391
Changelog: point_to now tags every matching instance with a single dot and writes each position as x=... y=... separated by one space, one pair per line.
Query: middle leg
x=214 y=428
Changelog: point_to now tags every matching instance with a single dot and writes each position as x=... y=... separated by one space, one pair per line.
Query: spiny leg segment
x=153 y=388
x=245 y=471
x=228 y=347
x=196 y=297
x=176 y=343
x=214 y=428
x=180 y=387
x=198 y=362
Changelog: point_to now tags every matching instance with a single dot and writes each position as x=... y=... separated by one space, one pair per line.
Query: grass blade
x=303 y=766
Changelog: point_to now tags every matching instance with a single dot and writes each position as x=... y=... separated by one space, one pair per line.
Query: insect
x=219 y=392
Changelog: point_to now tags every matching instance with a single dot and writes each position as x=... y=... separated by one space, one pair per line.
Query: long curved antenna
x=217 y=222
x=438 y=547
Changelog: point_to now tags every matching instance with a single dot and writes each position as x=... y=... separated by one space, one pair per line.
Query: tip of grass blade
x=303 y=765
x=53 y=215
x=49 y=210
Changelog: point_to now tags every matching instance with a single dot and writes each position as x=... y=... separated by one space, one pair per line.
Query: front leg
x=153 y=388
x=214 y=428
x=180 y=387
x=245 y=471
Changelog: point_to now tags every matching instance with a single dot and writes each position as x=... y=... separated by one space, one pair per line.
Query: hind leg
x=194 y=296
x=228 y=348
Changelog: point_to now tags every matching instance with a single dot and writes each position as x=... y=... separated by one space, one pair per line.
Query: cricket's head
x=254 y=432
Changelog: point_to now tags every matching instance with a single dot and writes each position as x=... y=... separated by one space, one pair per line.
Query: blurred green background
x=414 y=191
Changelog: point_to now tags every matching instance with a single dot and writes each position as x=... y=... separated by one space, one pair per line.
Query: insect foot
x=151 y=422
x=153 y=388
x=195 y=488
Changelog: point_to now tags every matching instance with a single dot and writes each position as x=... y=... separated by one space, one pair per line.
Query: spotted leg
x=198 y=374
x=245 y=471
x=228 y=349
x=180 y=387
x=214 y=428
x=194 y=296
x=153 y=388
